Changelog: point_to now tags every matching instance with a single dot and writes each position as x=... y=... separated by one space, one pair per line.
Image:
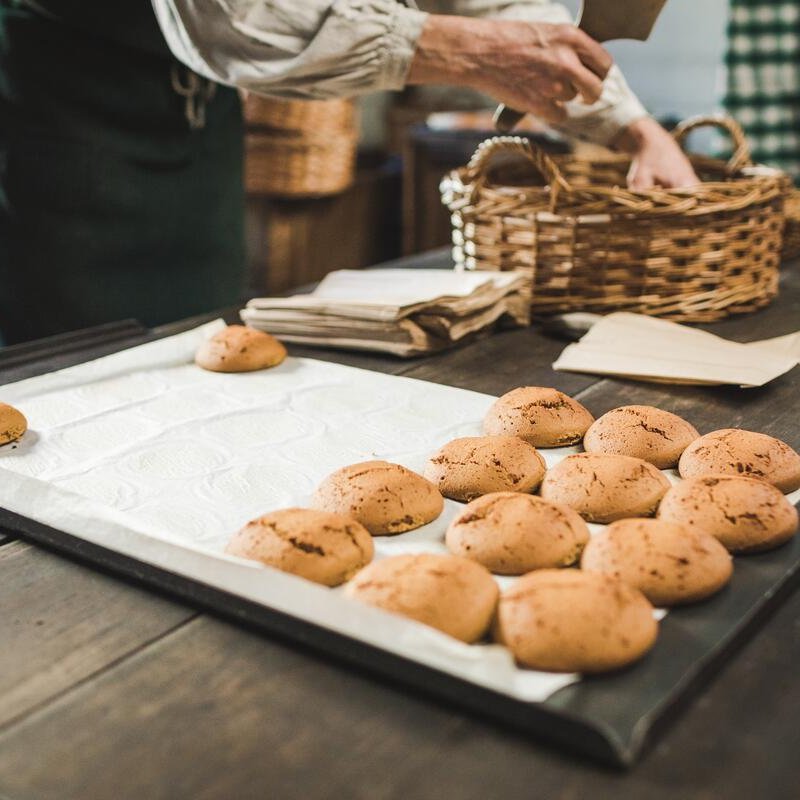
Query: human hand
x=533 y=67
x=657 y=158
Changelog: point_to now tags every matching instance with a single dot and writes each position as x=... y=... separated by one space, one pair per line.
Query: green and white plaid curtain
x=763 y=79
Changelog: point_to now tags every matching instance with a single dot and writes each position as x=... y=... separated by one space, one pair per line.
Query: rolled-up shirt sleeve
x=335 y=48
x=599 y=122
x=294 y=48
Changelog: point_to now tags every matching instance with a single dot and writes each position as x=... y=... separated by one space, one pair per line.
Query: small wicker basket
x=299 y=148
x=696 y=254
x=300 y=116
x=791 y=233
x=290 y=166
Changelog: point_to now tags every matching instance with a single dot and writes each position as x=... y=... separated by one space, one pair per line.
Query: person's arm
x=616 y=118
x=311 y=49
x=332 y=48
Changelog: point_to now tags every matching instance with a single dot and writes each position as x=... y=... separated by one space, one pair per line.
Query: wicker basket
x=791 y=233
x=300 y=116
x=299 y=148
x=285 y=165
x=696 y=254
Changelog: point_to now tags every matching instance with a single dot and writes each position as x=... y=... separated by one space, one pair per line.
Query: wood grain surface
x=110 y=691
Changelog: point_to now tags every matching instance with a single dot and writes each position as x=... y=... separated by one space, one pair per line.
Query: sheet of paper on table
x=400 y=311
x=646 y=348
x=146 y=454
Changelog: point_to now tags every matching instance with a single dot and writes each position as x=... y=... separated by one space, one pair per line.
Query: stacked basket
x=589 y=243
x=299 y=148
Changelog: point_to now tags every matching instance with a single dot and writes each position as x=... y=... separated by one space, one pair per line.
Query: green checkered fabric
x=763 y=79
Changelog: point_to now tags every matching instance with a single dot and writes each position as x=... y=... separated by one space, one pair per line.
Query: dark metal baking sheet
x=610 y=718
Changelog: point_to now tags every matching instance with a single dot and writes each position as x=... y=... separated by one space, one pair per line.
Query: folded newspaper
x=406 y=312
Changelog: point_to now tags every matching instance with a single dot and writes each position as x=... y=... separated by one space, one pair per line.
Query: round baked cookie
x=512 y=533
x=732 y=451
x=541 y=416
x=12 y=424
x=466 y=468
x=643 y=432
x=239 y=348
x=385 y=498
x=603 y=487
x=572 y=621
x=449 y=593
x=669 y=564
x=316 y=545
x=746 y=514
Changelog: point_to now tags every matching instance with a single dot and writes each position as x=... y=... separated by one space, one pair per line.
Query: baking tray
x=610 y=717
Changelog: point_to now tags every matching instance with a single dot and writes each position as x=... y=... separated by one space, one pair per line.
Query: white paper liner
x=146 y=454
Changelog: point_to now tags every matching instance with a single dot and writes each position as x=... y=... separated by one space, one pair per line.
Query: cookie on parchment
x=732 y=451
x=603 y=487
x=239 y=348
x=449 y=593
x=747 y=515
x=469 y=467
x=385 y=498
x=321 y=547
x=572 y=621
x=643 y=432
x=12 y=424
x=670 y=564
x=542 y=416
x=512 y=533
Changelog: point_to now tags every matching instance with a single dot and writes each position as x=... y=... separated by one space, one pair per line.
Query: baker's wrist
x=637 y=134
x=446 y=51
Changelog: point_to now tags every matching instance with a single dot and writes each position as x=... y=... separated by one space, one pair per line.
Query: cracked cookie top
x=449 y=593
x=746 y=514
x=733 y=451
x=12 y=424
x=668 y=562
x=643 y=432
x=603 y=487
x=542 y=416
x=568 y=620
x=471 y=466
x=512 y=533
x=385 y=498
x=239 y=348
x=319 y=546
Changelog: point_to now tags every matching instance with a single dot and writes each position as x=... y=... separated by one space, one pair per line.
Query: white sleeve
x=294 y=48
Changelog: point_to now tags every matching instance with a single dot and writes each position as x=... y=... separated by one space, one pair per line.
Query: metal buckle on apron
x=197 y=93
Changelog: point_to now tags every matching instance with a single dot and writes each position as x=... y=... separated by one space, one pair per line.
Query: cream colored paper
x=401 y=311
x=148 y=455
x=638 y=346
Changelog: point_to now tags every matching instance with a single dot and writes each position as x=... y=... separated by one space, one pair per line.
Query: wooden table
x=111 y=691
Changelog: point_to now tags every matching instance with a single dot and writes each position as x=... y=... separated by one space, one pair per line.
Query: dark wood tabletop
x=111 y=691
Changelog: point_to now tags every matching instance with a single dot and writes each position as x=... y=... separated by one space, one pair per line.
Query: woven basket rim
x=743 y=183
x=708 y=197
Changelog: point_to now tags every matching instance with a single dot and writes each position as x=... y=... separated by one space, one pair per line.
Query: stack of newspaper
x=402 y=311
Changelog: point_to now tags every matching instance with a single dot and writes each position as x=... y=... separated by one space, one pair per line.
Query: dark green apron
x=111 y=206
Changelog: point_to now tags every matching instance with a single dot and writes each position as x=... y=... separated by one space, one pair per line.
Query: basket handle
x=741 y=153
x=488 y=150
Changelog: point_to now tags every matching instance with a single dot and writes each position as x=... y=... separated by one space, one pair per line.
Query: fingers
x=591 y=54
x=549 y=111
x=584 y=81
x=561 y=91
x=640 y=177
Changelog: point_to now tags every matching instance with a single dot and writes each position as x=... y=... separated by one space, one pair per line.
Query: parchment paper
x=146 y=454
x=638 y=346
